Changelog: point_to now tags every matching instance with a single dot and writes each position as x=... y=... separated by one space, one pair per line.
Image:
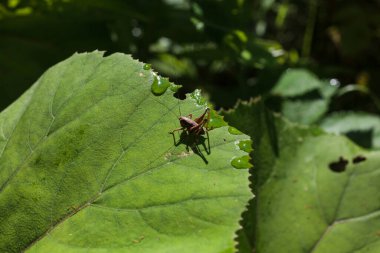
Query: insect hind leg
x=207 y=148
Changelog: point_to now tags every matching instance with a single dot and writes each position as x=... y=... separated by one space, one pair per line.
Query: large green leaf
x=303 y=204
x=296 y=82
x=305 y=97
x=361 y=127
x=87 y=165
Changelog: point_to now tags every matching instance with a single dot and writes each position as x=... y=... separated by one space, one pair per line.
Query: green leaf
x=87 y=165
x=295 y=82
x=305 y=98
x=361 y=127
x=304 y=111
x=302 y=203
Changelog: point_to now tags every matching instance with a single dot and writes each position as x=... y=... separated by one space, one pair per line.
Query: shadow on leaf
x=195 y=143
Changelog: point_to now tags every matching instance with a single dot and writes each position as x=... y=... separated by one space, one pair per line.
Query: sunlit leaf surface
x=87 y=164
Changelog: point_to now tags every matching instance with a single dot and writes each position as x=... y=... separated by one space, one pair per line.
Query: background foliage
x=233 y=49
x=315 y=62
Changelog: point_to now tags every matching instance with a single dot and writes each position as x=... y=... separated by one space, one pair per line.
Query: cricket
x=196 y=127
x=193 y=131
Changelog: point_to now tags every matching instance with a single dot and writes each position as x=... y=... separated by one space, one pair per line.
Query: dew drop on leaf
x=147 y=66
x=159 y=85
x=245 y=145
x=241 y=162
x=234 y=131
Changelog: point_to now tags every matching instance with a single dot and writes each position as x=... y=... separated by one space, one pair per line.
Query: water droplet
x=245 y=145
x=159 y=85
x=147 y=66
x=334 y=82
x=234 y=131
x=241 y=162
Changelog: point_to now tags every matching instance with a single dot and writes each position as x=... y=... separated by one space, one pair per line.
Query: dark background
x=230 y=49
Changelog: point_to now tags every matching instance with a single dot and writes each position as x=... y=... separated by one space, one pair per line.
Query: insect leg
x=200 y=118
x=194 y=128
x=207 y=119
x=177 y=129
x=208 y=151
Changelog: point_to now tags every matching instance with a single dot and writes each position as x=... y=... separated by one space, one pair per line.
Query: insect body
x=192 y=131
x=195 y=127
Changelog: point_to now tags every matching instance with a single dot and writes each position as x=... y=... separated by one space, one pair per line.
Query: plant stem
x=308 y=37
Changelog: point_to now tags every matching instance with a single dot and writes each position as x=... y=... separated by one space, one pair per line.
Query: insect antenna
x=179 y=108
x=177 y=96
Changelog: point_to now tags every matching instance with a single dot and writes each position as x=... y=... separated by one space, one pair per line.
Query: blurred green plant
x=233 y=49
x=315 y=192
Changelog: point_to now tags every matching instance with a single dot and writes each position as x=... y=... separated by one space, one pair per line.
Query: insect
x=192 y=131
x=195 y=127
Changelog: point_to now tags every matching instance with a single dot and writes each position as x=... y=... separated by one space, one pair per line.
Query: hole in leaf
x=339 y=166
x=180 y=94
x=358 y=159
